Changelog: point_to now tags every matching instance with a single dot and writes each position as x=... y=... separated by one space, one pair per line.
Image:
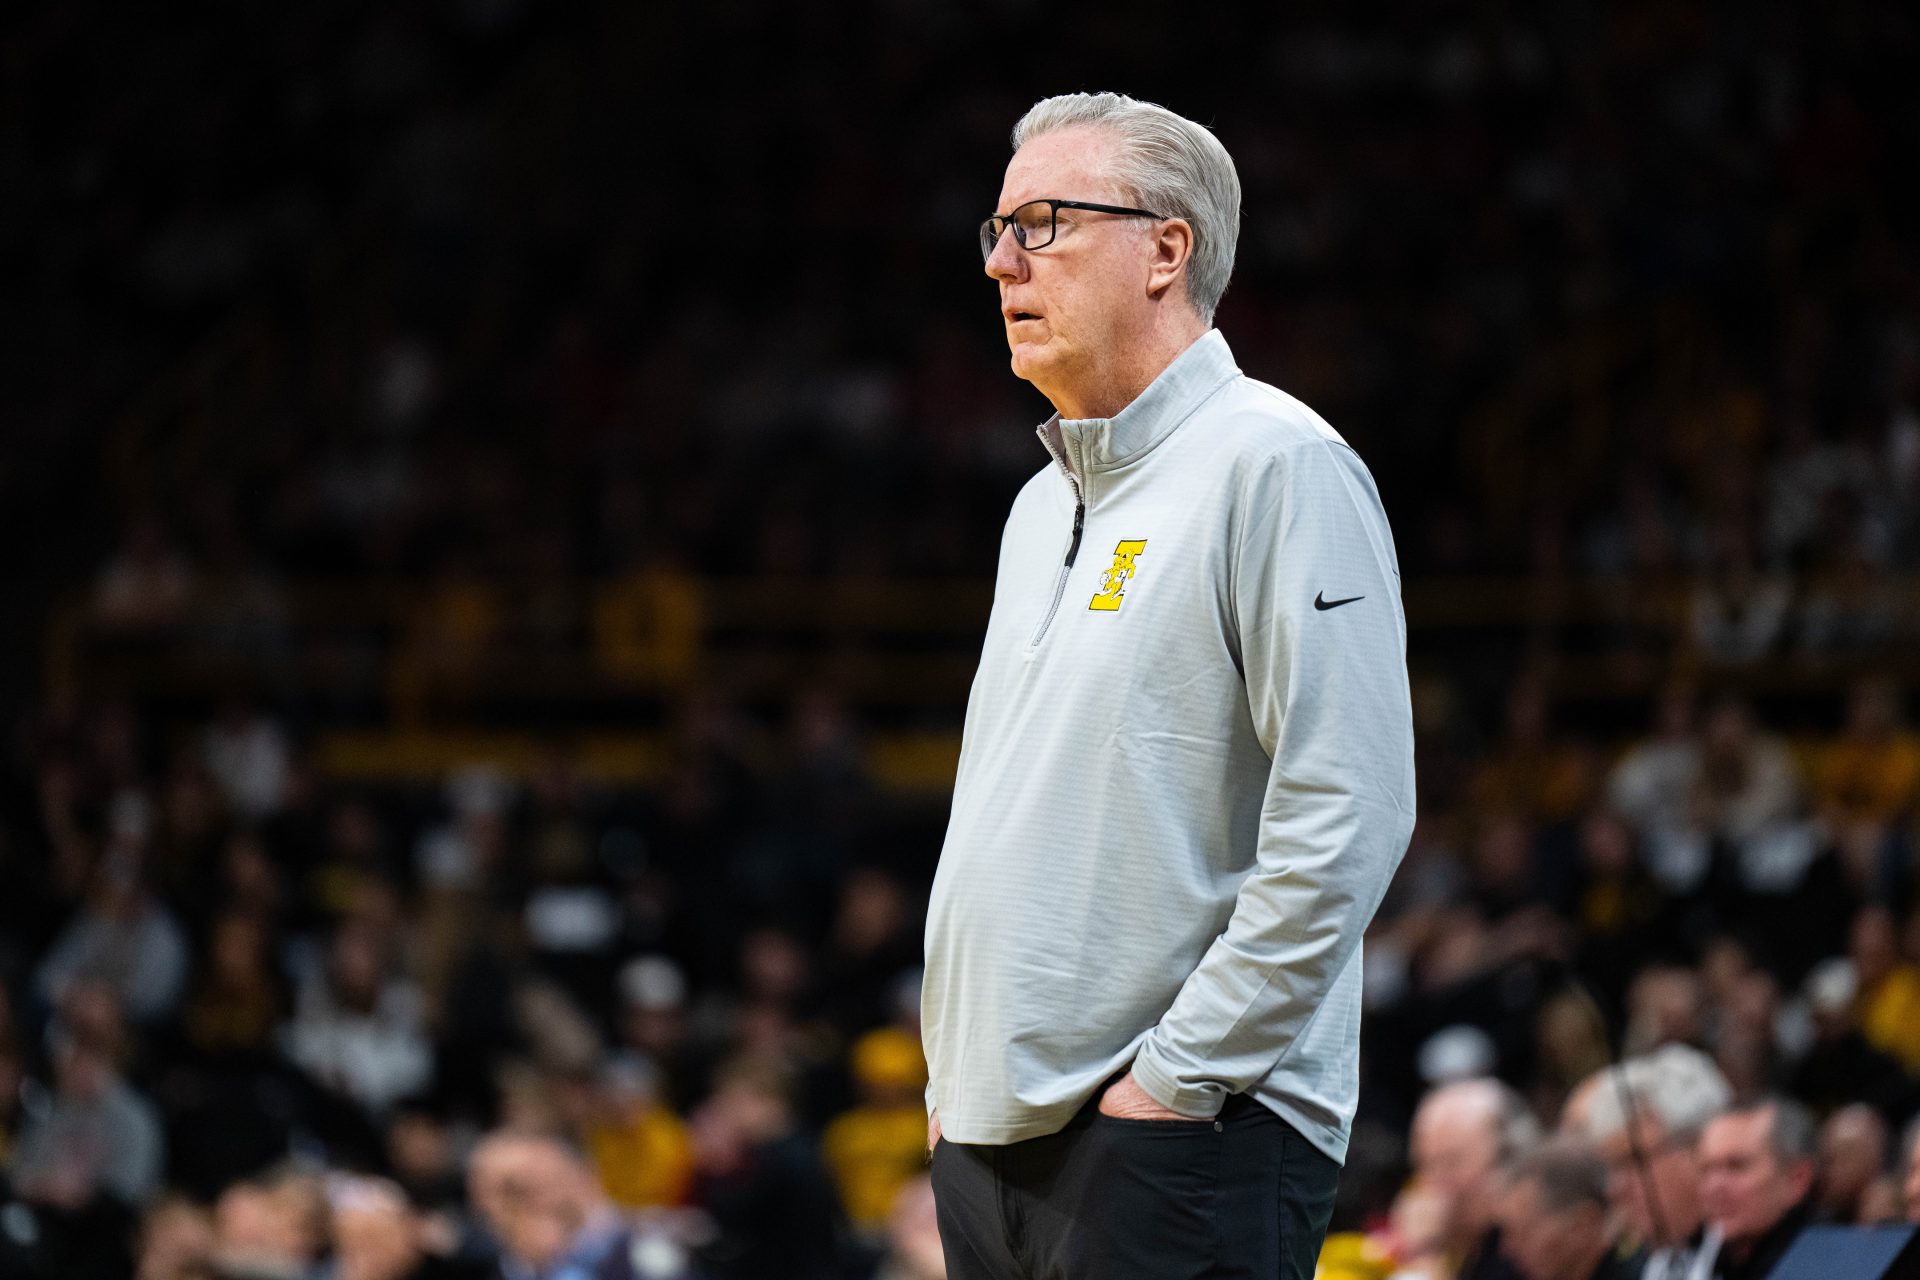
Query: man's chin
x=1031 y=360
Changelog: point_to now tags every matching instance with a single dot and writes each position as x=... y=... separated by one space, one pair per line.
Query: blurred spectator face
x=1084 y=291
x=238 y=953
x=1456 y=1151
x=418 y=1149
x=1744 y=1187
x=176 y=1241
x=265 y=1230
x=83 y=1071
x=1664 y=1006
x=1670 y=1177
x=1853 y=1151
x=1544 y=1243
x=374 y=1234
x=872 y=911
x=772 y=965
x=359 y=969
x=1873 y=946
x=532 y=1195
x=1606 y=845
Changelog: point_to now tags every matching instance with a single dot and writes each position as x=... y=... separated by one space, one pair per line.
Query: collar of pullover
x=1083 y=445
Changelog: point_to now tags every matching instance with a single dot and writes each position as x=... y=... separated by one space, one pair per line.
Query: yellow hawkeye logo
x=1113 y=583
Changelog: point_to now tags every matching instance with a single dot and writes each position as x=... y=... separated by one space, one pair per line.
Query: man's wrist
x=1159 y=1084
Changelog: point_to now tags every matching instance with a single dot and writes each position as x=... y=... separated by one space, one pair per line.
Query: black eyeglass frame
x=990 y=233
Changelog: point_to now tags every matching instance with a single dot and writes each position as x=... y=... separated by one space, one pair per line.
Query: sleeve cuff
x=1201 y=1102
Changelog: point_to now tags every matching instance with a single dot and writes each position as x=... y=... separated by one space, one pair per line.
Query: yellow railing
x=436 y=658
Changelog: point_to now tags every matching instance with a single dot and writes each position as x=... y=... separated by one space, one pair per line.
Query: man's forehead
x=1066 y=164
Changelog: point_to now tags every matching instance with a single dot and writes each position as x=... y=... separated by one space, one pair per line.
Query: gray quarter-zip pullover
x=1186 y=775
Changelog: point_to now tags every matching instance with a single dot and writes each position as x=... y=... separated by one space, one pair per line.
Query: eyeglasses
x=1035 y=223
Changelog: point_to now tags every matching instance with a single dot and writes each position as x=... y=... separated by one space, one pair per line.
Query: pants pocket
x=1148 y=1204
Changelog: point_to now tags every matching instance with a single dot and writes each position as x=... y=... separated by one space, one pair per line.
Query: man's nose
x=1008 y=261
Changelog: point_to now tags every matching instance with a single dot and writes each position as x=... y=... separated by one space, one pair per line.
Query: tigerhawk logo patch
x=1113 y=583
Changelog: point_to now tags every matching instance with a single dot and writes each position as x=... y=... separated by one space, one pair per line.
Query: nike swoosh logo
x=1319 y=602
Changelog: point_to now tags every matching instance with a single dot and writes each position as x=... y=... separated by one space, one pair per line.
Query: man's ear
x=1172 y=249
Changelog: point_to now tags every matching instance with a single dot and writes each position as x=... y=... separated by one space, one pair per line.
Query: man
x=1853 y=1155
x=1644 y=1119
x=551 y=1219
x=1187 y=769
x=1756 y=1167
x=1555 y=1220
x=1465 y=1135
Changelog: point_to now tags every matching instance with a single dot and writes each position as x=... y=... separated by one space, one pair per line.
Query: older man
x=1465 y=1136
x=1187 y=770
x=1555 y=1221
x=541 y=1203
x=1645 y=1117
x=1756 y=1180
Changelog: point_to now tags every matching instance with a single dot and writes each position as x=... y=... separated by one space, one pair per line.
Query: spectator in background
x=1888 y=999
x=377 y=1236
x=124 y=938
x=176 y=1241
x=1555 y=1223
x=760 y=1181
x=1840 y=1066
x=1655 y=787
x=541 y=1203
x=653 y=1021
x=359 y=1028
x=640 y=1150
x=1541 y=775
x=248 y=756
x=237 y=1002
x=880 y=1145
x=96 y=1136
x=1464 y=1135
x=1853 y=1156
x=913 y=1236
x=1757 y=1166
x=147 y=585
x=1644 y=1120
x=1749 y=786
x=1871 y=773
x=276 y=1226
x=1739 y=610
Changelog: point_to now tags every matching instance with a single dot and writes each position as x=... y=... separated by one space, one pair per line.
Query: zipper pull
x=1079 y=520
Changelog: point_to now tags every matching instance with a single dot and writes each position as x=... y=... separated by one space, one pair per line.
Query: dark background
x=609 y=396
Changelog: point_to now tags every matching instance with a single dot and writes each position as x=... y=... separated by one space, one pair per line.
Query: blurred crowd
x=261 y=1022
x=466 y=291
x=254 y=1023
x=479 y=300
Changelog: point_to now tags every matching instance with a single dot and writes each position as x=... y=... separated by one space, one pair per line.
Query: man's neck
x=1119 y=384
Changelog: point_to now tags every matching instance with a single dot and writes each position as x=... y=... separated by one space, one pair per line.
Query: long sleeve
x=1315 y=601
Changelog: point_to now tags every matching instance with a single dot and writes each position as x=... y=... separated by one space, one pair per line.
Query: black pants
x=1108 y=1199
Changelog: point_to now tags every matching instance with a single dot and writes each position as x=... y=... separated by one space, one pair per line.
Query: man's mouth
x=1018 y=316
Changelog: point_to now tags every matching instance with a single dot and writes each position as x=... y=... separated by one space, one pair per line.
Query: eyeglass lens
x=1032 y=225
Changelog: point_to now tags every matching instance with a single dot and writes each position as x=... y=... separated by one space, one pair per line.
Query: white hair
x=1677 y=1085
x=1166 y=163
x=1497 y=1104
